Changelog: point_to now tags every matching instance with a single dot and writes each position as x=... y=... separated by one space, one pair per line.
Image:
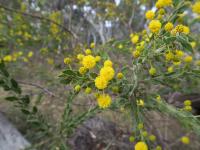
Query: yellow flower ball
x=169 y=56
x=193 y=44
x=134 y=39
x=169 y=26
x=80 y=56
x=88 y=51
x=187 y=102
x=155 y=26
x=101 y=82
x=196 y=8
x=185 y=140
x=179 y=28
x=108 y=63
x=188 y=59
x=136 y=54
x=140 y=102
x=88 y=90
x=120 y=75
x=152 y=71
x=82 y=70
x=88 y=62
x=188 y=108
x=7 y=58
x=92 y=45
x=141 y=146
x=170 y=69
x=161 y=11
x=131 y=138
x=150 y=15
x=186 y=30
x=77 y=88
x=104 y=101
x=140 y=126
x=144 y=134
x=158 y=99
x=152 y=138
x=30 y=54
x=158 y=148
x=67 y=60
x=107 y=72
x=179 y=53
x=97 y=58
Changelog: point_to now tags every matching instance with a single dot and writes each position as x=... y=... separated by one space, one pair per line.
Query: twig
x=38 y=86
x=39 y=17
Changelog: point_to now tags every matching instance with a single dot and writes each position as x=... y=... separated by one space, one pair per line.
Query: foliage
x=161 y=59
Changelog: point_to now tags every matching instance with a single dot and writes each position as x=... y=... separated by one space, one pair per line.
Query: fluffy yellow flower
x=152 y=71
x=7 y=58
x=163 y=3
x=185 y=140
x=169 y=56
x=136 y=54
x=187 y=102
x=107 y=72
x=92 y=45
x=169 y=26
x=108 y=63
x=186 y=30
x=155 y=26
x=152 y=137
x=89 y=62
x=67 y=60
x=97 y=58
x=150 y=15
x=101 y=82
x=193 y=44
x=77 y=88
x=140 y=102
x=179 y=53
x=196 y=8
x=134 y=39
x=88 y=51
x=120 y=75
x=188 y=108
x=30 y=54
x=141 y=146
x=88 y=90
x=170 y=69
x=80 y=56
x=82 y=70
x=179 y=28
x=188 y=59
x=104 y=101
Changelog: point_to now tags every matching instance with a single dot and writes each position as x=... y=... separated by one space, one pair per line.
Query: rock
x=99 y=134
x=10 y=138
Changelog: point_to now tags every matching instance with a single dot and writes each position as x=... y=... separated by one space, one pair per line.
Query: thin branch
x=39 y=17
x=38 y=86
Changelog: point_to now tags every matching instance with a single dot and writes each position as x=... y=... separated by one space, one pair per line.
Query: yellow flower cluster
x=141 y=146
x=169 y=26
x=89 y=62
x=185 y=140
x=180 y=29
x=150 y=15
x=106 y=74
x=196 y=8
x=187 y=105
x=155 y=26
x=104 y=101
x=163 y=3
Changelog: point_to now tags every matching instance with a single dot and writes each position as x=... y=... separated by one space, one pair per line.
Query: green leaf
x=184 y=42
x=25 y=99
x=12 y=98
x=25 y=111
x=15 y=86
x=69 y=72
